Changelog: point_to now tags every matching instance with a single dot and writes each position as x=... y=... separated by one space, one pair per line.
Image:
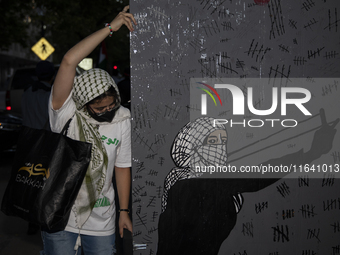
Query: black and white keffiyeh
x=189 y=150
x=87 y=86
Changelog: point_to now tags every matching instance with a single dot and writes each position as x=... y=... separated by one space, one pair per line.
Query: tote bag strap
x=65 y=128
x=67 y=125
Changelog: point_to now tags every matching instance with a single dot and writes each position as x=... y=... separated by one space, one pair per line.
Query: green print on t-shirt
x=102 y=202
x=110 y=141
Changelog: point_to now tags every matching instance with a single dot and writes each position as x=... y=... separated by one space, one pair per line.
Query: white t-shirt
x=117 y=140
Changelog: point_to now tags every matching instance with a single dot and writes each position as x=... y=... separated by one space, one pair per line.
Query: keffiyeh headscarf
x=87 y=86
x=190 y=149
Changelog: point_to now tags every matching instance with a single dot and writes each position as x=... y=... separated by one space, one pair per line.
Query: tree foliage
x=66 y=23
x=13 y=15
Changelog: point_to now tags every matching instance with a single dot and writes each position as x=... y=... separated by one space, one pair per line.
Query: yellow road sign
x=43 y=48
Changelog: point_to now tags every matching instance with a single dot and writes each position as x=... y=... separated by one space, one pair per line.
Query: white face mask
x=210 y=155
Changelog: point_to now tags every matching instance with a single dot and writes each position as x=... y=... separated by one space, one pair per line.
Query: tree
x=14 y=17
x=64 y=23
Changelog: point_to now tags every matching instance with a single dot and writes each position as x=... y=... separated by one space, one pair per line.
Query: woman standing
x=92 y=102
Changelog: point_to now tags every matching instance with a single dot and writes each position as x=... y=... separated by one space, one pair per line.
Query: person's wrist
x=110 y=27
x=124 y=211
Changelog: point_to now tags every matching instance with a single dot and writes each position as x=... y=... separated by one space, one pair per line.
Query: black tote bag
x=46 y=177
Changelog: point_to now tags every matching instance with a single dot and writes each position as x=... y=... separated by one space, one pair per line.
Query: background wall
x=179 y=40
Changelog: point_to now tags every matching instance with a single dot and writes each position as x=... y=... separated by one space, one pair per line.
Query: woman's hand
x=123 y=18
x=124 y=222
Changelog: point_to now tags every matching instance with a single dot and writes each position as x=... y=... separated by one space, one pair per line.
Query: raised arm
x=64 y=80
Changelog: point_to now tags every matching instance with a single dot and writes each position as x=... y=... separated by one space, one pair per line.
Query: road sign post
x=43 y=49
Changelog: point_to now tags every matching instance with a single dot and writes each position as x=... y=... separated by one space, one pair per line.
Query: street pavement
x=13 y=237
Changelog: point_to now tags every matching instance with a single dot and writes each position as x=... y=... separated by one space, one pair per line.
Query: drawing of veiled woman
x=199 y=143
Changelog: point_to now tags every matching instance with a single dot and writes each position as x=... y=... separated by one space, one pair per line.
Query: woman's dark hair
x=109 y=93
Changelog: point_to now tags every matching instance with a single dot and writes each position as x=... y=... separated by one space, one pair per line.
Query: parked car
x=21 y=80
x=10 y=126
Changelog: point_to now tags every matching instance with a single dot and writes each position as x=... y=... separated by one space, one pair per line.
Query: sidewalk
x=13 y=237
